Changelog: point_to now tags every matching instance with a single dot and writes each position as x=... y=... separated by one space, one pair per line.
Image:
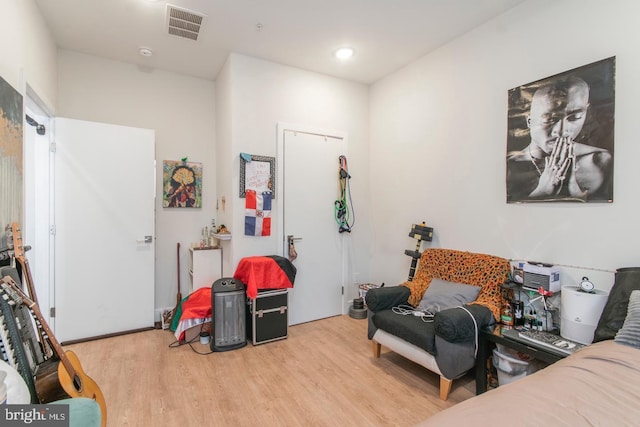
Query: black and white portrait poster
x=560 y=137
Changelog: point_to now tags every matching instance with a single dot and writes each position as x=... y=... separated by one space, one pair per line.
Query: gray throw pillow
x=629 y=334
x=442 y=294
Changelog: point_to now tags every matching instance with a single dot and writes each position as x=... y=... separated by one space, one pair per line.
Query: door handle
x=292 y=249
x=291 y=239
x=147 y=239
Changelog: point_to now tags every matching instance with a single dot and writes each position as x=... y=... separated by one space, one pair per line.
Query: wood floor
x=323 y=374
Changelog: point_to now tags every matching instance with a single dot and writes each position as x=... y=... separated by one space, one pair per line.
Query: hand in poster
x=560 y=169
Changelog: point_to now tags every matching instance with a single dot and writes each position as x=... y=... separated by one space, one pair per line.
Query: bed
x=598 y=385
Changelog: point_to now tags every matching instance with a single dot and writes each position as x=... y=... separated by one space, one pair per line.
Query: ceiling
x=386 y=34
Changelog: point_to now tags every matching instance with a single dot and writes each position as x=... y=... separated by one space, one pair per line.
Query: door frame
x=36 y=227
x=281 y=128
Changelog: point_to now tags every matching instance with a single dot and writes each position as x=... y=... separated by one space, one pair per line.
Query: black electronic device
x=228 y=316
x=419 y=232
x=546 y=340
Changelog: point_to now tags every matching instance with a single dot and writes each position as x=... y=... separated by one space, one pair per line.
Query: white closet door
x=310 y=191
x=104 y=227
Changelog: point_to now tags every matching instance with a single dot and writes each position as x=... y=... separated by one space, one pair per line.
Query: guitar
x=61 y=378
x=18 y=253
x=419 y=232
x=15 y=241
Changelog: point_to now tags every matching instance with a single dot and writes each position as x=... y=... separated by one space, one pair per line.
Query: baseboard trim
x=99 y=337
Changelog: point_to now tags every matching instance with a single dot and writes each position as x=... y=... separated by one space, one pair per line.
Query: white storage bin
x=510 y=367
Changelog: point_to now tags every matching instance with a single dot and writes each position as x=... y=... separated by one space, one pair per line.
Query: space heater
x=228 y=315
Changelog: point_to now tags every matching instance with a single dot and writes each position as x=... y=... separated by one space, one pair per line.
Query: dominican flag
x=257 y=217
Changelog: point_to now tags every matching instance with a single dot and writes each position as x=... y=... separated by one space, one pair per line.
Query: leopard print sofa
x=486 y=271
x=448 y=359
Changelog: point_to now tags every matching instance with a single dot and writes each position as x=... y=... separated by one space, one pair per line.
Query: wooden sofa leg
x=445 y=387
x=376 y=349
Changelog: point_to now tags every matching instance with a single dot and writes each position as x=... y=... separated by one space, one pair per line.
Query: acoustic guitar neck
x=18 y=249
x=19 y=254
x=18 y=295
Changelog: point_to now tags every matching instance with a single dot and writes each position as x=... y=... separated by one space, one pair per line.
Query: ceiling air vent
x=183 y=22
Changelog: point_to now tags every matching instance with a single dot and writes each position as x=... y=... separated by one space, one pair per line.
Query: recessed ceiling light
x=344 y=53
x=145 y=51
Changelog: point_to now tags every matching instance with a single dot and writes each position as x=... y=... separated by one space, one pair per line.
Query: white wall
x=438 y=143
x=264 y=93
x=437 y=133
x=224 y=166
x=41 y=57
x=28 y=51
x=181 y=110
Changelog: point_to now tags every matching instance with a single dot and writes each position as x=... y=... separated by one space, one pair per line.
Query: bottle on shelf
x=506 y=316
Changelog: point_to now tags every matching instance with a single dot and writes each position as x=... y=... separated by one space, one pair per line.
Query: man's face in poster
x=558 y=110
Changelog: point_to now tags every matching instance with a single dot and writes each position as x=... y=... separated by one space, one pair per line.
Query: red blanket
x=193 y=310
x=265 y=272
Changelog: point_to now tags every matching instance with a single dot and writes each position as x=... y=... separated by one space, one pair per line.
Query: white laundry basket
x=511 y=367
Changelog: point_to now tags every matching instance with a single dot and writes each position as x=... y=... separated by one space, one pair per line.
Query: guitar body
x=53 y=382
x=48 y=387
x=86 y=387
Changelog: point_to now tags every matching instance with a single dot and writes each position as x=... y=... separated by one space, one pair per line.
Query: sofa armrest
x=384 y=298
x=456 y=325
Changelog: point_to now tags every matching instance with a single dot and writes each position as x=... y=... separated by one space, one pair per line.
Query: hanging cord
x=475 y=353
x=178 y=343
x=343 y=207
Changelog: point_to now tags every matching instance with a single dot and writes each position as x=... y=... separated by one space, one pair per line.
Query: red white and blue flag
x=257 y=217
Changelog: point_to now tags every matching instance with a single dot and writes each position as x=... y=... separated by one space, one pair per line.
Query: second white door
x=310 y=183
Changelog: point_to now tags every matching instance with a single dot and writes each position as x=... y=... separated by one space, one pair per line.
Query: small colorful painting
x=182 y=184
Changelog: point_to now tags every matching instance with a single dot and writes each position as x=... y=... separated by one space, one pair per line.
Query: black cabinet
x=267 y=316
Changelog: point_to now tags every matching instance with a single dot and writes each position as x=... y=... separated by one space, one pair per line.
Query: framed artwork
x=560 y=137
x=257 y=173
x=182 y=184
x=11 y=130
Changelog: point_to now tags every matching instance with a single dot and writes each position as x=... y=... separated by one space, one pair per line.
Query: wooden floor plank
x=323 y=374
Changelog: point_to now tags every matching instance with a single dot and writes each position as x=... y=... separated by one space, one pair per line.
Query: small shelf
x=225 y=236
x=205 y=266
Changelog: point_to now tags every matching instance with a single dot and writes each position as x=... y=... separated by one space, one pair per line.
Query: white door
x=310 y=189
x=104 y=227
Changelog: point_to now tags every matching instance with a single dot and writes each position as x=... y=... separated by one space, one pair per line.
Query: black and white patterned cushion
x=629 y=334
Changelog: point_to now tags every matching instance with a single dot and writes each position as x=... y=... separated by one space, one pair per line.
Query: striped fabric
x=629 y=334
